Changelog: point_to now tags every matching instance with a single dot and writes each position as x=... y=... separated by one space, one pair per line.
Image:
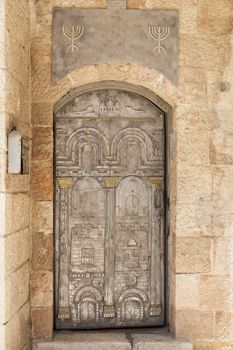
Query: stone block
x=24 y=112
x=222 y=197
x=18 y=55
x=224 y=326
x=194 y=324
x=42 y=322
x=223 y=256
x=187 y=291
x=41 y=289
x=221 y=148
x=215 y=17
x=42 y=251
x=17 y=20
x=42 y=114
x=17 y=211
x=224 y=116
x=3 y=140
x=16 y=249
x=23 y=327
x=2 y=213
x=11 y=334
x=187 y=10
x=42 y=217
x=17 y=289
x=80 y=3
x=41 y=183
x=19 y=183
x=41 y=83
x=2 y=329
x=42 y=146
x=194 y=93
x=193 y=75
x=135 y=4
x=207 y=51
x=194 y=183
x=2 y=290
x=41 y=50
x=42 y=89
x=159 y=342
x=193 y=255
x=194 y=219
x=216 y=293
x=193 y=147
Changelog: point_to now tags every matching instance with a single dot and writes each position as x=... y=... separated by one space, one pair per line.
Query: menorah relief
x=159 y=33
x=72 y=33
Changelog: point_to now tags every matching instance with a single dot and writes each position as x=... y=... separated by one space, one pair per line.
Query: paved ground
x=137 y=339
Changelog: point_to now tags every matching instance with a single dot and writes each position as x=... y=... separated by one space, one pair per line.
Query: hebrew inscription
x=109 y=165
x=83 y=37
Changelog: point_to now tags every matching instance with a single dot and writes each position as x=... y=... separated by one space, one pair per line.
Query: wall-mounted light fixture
x=18 y=152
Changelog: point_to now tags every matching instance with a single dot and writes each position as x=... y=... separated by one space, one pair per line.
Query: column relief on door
x=109 y=213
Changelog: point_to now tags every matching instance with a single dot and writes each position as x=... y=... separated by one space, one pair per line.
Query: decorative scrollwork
x=159 y=33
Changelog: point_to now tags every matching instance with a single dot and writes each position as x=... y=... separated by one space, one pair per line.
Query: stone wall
x=14 y=189
x=201 y=167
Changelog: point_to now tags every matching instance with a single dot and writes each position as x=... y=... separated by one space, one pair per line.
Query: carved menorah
x=73 y=33
x=159 y=34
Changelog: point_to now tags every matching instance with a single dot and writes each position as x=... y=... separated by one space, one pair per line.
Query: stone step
x=113 y=340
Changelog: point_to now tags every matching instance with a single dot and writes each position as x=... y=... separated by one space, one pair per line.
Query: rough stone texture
x=223 y=256
x=42 y=213
x=41 y=321
x=193 y=255
x=194 y=324
x=194 y=219
x=224 y=326
x=216 y=293
x=42 y=149
x=194 y=183
x=41 y=183
x=14 y=189
x=42 y=251
x=187 y=291
x=42 y=289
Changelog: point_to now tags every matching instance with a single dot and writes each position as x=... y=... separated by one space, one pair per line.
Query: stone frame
x=42 y=171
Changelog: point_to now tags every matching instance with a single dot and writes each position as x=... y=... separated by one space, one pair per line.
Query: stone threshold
x=130 y=339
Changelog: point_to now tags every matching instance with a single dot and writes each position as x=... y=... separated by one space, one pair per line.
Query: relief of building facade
x=109 y=211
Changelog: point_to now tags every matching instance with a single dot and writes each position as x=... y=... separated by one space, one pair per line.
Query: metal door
x=109 y=217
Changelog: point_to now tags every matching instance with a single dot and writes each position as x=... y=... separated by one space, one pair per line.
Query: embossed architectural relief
x=109 y=211
x=84 y=37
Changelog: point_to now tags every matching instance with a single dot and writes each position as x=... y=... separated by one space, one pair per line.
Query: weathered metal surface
x=87 y=36
x=109 y=211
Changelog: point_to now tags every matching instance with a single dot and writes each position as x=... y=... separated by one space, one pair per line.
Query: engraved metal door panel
x=109 y=217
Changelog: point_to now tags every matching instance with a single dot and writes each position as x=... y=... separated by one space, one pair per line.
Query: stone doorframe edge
x=167 y=109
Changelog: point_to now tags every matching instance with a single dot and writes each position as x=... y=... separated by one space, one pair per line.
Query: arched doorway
x=110 y=212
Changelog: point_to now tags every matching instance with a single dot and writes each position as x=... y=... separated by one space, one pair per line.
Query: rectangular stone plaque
x=85 y=37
